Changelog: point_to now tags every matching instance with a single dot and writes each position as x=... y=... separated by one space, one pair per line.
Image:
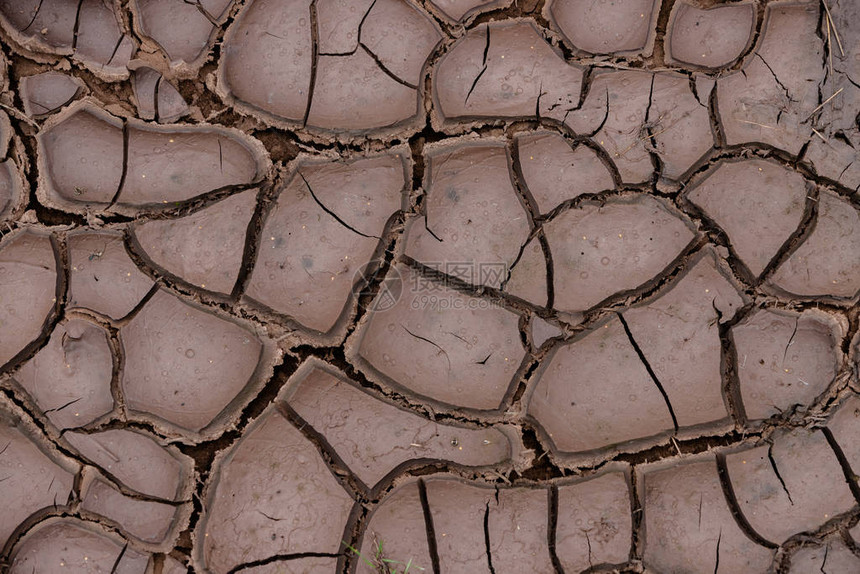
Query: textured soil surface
x=443 y=286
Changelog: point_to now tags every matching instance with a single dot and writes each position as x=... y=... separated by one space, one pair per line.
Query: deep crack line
x=315 y=48
x=648 y=368
x=385 y=69
x=487 y=538
x=429 y=527
x=772 y=73
x=847 y=471
x=735 y=507
x=483 y=68
x=332 y=213
x=776 y=472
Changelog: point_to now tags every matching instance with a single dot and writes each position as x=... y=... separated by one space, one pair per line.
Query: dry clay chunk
x=157 y=98
x=69 y=378
x=679 y=336
x=606 y=26
x=80 y=157
x=81 y=160
x=45 y=93
x=11 y=189
x=272 y=494
x=103 y=278
x=28 y=290
x=601 y=249
x=517 y=529
x=205 y=248
x=688 y=524
x=634 y=113
x=464 y=9
x=442 y=344
x=34 y=477
x=710 y=38
x=146 y=520
x=169 y=164
x=832 y=557
x=793 y=486
x=594 y=524
x=785 y=359
x=28 y=18
x=400 y=37
x=183 y=30
x=770 y=100
x=505 y=70
x=89 y=30
x=460 y=510
x=379 y=80
x=475 y=223
x=595 y=393
x=541 y=331
x=184 y=365
x=267 y=58
x=339 y=24
x=759 y=204
x=555 y=172
x=528 y=277
x=373 y=99
x=398 y=524
x=269 y=64
x=71 y=545
x=374 y=438
x=99 y=41
x=135 y=460
x=309 y=259
x=827 y=263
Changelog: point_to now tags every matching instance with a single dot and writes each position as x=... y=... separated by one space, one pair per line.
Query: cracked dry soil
x=449 y=286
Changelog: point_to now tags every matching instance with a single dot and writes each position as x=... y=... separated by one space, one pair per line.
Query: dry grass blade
x=829 y=46
x=824 y=103
x=832 y=25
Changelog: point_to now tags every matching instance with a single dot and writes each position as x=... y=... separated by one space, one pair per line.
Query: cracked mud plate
x=439 y=286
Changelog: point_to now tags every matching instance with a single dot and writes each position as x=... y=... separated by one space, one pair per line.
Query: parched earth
x=449 y=286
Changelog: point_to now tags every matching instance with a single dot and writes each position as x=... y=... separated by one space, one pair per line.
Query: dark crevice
x=648 y=368
x=77 y=25
x=315 y=46
x=428 y=525
x=157 y=111
x=734 y=506
x=332 y=213
x=552 y=528
x=385 y=69
x=487 y=538
x=775 y=469
x=483 y=67
x=113 y=52
x=35 y=15
x=850 y=476
x=119 y=559
x=717 y=559
x=772 y=73
x=124 y=174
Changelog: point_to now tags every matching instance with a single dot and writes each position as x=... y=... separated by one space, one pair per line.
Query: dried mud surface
x=354 y=286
